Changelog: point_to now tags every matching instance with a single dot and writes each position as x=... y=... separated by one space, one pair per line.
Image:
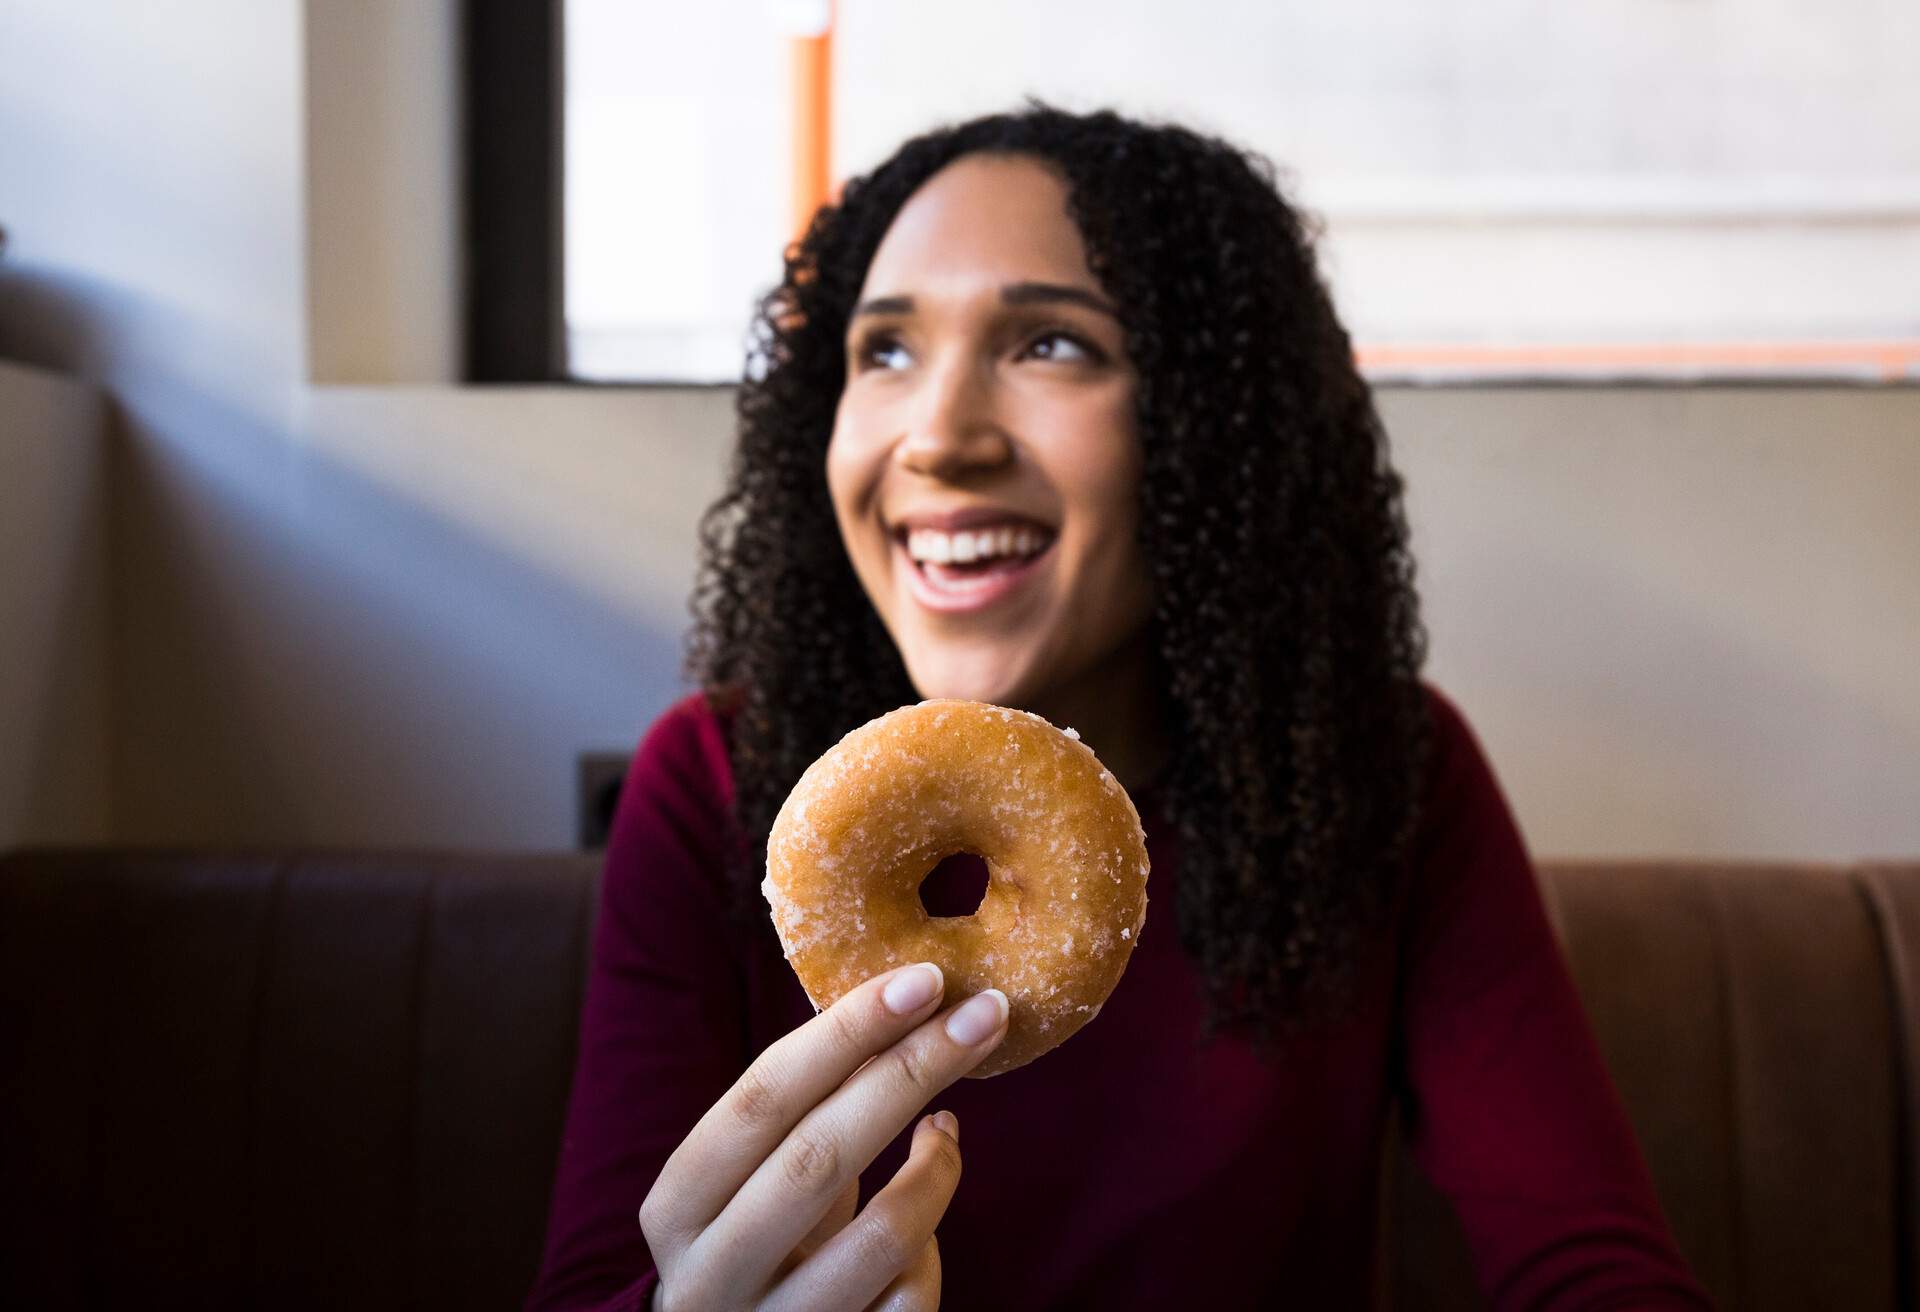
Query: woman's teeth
x=972 y=545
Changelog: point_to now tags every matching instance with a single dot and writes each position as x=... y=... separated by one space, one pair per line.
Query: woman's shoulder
x=682 y=759
x=1463 y=806
x=1455 y=758
x=1450 y=727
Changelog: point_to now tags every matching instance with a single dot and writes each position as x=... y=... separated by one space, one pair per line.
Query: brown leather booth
x=309 y=1080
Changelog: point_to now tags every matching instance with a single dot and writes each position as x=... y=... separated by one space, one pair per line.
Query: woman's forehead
x=990 y=219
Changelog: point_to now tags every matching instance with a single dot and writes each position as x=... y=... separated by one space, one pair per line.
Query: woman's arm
x=1511 y=1111
x=661 y=1032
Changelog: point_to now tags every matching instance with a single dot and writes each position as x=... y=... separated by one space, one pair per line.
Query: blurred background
x=365 y=365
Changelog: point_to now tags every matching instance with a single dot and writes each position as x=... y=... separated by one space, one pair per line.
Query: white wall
x=55 y=717
x=474 y=586
x=343 y=617
x=394 y=615
x=1613 y=172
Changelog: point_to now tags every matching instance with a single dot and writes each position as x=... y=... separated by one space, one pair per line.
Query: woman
x=1108 y=340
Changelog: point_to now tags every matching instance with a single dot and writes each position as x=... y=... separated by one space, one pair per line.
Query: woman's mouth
x=971 y=568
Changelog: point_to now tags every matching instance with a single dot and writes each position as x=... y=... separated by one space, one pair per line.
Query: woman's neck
x=1118 y=710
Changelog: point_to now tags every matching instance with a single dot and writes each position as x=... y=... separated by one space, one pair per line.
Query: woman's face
x=984 y=464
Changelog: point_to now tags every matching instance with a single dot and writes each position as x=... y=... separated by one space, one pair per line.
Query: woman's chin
x=999 y=687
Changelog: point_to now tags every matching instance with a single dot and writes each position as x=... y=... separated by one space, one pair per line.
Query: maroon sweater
x=1133 y=1166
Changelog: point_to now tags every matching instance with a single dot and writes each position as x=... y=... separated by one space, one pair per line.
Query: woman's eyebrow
x=1015 y=293
x=1041 y=293
x=885 y=305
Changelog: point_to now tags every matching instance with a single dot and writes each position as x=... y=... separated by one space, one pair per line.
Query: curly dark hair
x=1286 y=625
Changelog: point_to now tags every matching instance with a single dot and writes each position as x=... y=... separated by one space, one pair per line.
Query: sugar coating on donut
x=1066 y=859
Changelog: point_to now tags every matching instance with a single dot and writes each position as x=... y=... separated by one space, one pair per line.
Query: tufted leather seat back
x=282 y=1081
x=316 y=1080
x=1759 y=1021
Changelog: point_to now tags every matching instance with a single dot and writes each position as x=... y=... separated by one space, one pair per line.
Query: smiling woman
x=984 y=463
x=1053 y=411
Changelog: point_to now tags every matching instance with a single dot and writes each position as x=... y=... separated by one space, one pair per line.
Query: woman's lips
x=949 y=590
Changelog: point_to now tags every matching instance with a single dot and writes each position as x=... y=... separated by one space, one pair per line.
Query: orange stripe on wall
x=810 y=59
x=1891 y=360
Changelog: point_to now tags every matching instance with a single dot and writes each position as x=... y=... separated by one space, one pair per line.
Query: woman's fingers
x=885 y=1256
x=917 y=1289
x=835 y=1219
x=830 y=1223
x=834 y=1142
x=783 y=1084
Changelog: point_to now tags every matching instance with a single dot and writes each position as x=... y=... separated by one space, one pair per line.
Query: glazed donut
x=1066 y=860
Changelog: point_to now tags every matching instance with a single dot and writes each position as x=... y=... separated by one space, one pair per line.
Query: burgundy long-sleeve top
x=1134 y=1166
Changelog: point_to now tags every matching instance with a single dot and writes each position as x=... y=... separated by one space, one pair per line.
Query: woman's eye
x=1061 y=346
x=883 y=352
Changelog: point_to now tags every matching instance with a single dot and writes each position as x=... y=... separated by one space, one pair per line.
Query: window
x=1627 y=188
x=677 y=162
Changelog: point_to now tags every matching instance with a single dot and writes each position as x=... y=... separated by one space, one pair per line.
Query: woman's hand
x=756 y=1205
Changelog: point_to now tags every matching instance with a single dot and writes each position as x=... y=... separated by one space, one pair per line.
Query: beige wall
x=382 y=134
x=394 y=615
x=54 y=675
x=1685 y=620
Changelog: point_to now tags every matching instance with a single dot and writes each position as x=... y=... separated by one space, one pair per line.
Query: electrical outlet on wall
x=597 y=796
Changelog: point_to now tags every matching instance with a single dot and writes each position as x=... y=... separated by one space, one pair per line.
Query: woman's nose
x=953 y=429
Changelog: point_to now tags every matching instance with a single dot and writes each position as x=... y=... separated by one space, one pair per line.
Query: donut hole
x=956 y=886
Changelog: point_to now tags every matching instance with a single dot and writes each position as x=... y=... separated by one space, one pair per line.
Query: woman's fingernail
x=913 y=988
x=947 y=1124
x=979 y=1018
